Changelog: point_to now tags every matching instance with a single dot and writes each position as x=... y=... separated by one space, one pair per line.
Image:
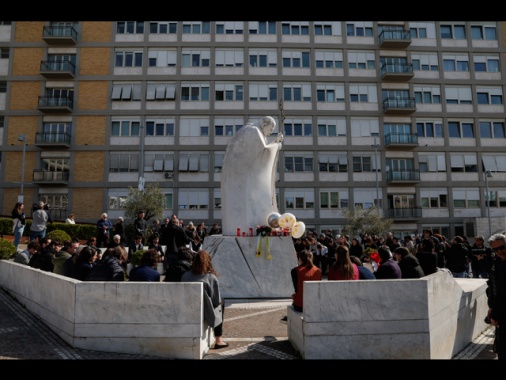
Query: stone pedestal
x=244 y=275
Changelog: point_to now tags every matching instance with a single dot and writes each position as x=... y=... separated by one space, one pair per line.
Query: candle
x=250 y=231
x=244 y=234
x=238 y=232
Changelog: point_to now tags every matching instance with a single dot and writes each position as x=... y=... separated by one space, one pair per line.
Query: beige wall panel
x=19 y=125
x=90 y=130
x=24 y=95
x=97 y=31
x=26 y=61
x=89 y=166
x=95 y=61
x=87 y=204
x=29 y=31
x=92 y=95
x=14 y=162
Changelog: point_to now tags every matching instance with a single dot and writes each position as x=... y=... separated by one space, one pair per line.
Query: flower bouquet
x=263 y=233
x=372 y=255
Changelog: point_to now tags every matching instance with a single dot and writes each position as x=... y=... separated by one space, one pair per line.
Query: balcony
x=48 y=177
x=399 y=106
x=403 y=176
x=394 y=38
x=404 y=213
x=57 y=70
x=397 y=72
x=401 y=140
x=52 y=139
x=59 y=35
x=55 y=105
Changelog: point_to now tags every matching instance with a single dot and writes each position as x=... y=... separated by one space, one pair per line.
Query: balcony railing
x=403 y=176
x=53 y=139
x=52 y=104
x=58 y=69
x=404 y=213
x=401 y=140
x=394 y=38
x=397 y=72
x=399 y=105
x=59 y=214
x=50 y=177
x=59 y=35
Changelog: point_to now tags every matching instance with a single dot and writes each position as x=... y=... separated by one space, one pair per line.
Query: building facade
x=409 y=116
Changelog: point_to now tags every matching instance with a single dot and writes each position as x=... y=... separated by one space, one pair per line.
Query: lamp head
x=22 y=137
x=489 y=174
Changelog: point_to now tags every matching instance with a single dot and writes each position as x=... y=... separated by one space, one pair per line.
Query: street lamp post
x=488 y=174
x=376 y=171
x=22 y=137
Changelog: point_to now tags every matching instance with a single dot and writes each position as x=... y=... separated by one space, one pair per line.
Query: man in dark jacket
x=109 y=268
x=388 y=267
x=175 y=237
x=140 y=225
x=410 y=267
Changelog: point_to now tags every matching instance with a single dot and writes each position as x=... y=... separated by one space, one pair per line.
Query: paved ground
x=252 y=328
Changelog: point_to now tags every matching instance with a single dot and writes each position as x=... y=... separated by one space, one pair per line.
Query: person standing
x=70 y=219
x=481 y=258
x=119 y=229
x=18 y=222
x=457 y=257
x=40 y=219
x=214 y=306
x=140 y=225
x=104 y=227
x=175 y=238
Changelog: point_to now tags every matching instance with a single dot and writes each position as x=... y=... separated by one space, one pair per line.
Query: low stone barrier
x=159 y=319
x=433 y=317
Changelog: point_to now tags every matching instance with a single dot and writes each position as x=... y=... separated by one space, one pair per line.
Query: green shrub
x=136 y=257
x=7 y=249
x=58 y=235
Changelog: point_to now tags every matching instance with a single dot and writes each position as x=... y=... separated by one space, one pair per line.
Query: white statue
x=248 y=177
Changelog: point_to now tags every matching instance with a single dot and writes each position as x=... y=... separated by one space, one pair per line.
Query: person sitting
x=109 y=268
x=410 y=267
x=215 y=230
x=305 y=271
x=116 y=240
x=23 y=257
x=60 y=257
x=134 y=246
x=84 y=262
x=182 y=265
x=388 y=267
x=147 y=270
x=43 y=259
x=214 y=307
x=343 y=268
x=363 y=272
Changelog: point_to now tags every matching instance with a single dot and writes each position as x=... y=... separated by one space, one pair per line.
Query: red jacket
x=305 y=274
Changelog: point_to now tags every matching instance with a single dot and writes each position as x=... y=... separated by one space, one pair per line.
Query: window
x=494 y=163
x=331 y=127
x=432 y=162
x=486 y=63
x=117 y=202
x=295 y=28
x=456 y=62
x=162 y=58
x=362 y=163
x=333 y=199
x=434 y=198
x=162 y=27
x=191 y=199
x=297 y=127
x=126 y=128
x=128 y=59
x=333 y=163
x=3 y=87
x=328 y=28
x=299 y=199
x=263 y=91
x=492 y=129
x=62 y=61
x=366 y=198
x=4 y=53
x=227 y=126
x=262 y=27
x=364 y=127
x=363 y=93
x=460 y=129
x=458 y=95
x=361 y=60
x=54 y=164
x=295 y=59
x=263 y=58
x=217 y=198
x=229 y=27
x=484 y=32
x=429 y=128
x=196 y=58
x=427 y=94
x=56 y=93
x=124 y=162
x=168 y=201
x=2 y=121
x=298 y=163
x=466 y=198
x=418 y=30
x=59 y=204
x=359 y=29
x=130 y=27
x=196 y=27
x=229 y=58
x=451 y=31
x=229 y=91
x=424 y=62
x=160 y=127
x=463 y=163
x=194 y=162
x=296 y=92
x=194 y=91
x=327 y=92
x=160 y=91
x=194 y=127
x=159 y=162
x=328 y=59
x=56 y=131
x=489 y=95
x=126 y=91
x=5 y=22
x=218 y=161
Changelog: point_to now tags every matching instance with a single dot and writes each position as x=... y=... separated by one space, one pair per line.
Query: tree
x=360 y=220
x=151 y=200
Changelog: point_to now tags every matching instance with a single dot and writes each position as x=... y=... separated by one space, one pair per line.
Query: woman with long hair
x=214 y=307
x=18 y=222
x=343 y=268
x=305 y=271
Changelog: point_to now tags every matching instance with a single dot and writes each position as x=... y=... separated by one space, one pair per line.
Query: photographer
x=481 y=258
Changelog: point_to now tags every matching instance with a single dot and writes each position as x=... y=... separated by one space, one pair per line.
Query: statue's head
x=267 y=124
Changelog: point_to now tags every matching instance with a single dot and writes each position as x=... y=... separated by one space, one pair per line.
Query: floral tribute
x=373 y=255
x=263 y=233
